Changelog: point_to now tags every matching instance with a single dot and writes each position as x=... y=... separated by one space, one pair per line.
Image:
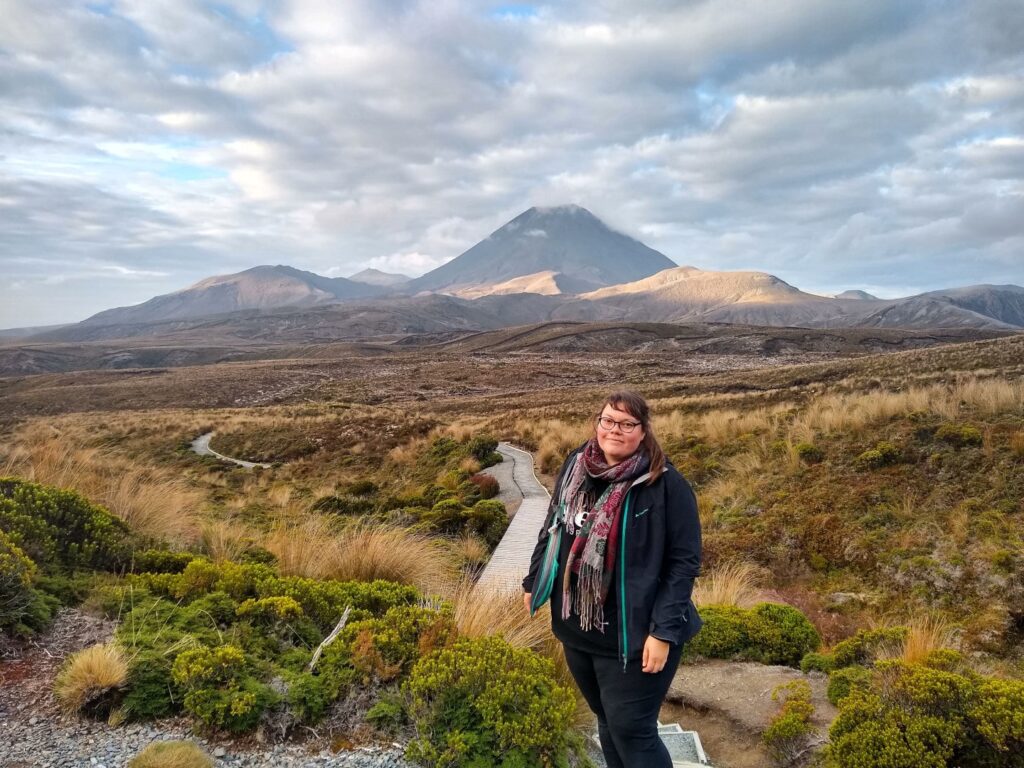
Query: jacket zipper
x=622 y=580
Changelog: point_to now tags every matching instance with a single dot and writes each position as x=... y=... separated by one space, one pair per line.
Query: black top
x=569 y=631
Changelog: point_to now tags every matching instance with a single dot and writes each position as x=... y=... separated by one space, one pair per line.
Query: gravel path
x=201 y=445
x=34 y=733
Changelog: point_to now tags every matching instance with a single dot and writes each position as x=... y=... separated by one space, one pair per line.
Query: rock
x=33 y=720
x=219 y=752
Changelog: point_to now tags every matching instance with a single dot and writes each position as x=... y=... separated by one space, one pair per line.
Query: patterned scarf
x=592 y=556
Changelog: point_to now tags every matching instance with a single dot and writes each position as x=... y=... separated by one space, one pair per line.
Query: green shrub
x=344 y=504
x=385 y=648
x=883 y=454
x=487 y=519
x=862 y=648
x=151 y=690
x=58 y=528
x=483 y=448
x=790 y=731
x=842 y=681
x=483 y=702
x=916 y=715
x=809 y=453
x=308 y=698
x=16 y=593
x=388 y=714
x=161 y=561
x=220 y=692
x=723 y=635
x=447 y=516
x=960 y=435
x=779 y=634
x=770 y=633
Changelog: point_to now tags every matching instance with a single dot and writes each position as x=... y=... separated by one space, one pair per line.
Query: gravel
x=34 y=732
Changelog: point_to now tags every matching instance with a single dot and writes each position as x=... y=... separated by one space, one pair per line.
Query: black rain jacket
x=659 y=557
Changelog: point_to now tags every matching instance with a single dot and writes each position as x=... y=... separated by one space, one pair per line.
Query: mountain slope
x=370 y=276
x=565 y=239
x=263 y=287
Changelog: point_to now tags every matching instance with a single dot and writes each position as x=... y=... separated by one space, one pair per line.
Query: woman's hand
x=526 y=600
x=655 y=654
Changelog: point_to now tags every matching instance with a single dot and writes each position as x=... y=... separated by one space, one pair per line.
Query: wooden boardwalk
x=511 y=558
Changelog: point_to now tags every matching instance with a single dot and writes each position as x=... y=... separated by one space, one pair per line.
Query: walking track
x=511 y=558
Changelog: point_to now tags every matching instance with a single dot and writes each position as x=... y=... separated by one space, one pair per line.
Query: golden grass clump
x=90 y=674
x=315 y=547
x=925 y=635
x=224 y=540
x=482 y=612
x=734 y=583
x=1017 y=444
x=368 y=551
x=306 y=548
x=471 y=550
x=171 y=754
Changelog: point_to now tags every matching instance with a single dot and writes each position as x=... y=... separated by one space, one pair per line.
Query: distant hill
x=567 y=240
x=855 y=294
x=264 y=287
x=371 y=276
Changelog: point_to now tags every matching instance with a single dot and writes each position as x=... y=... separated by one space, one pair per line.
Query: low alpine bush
x=483 y=702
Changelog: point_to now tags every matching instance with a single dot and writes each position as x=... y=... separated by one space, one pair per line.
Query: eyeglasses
x=607 y=423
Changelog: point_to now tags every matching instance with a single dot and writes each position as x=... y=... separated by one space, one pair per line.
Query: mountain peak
x=565 y=239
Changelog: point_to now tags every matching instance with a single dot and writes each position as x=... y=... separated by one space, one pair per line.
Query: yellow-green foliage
x=91 y=679
x=321 y=601
x=171 y=754
x=61 y=528
x=790 y=731
x=919 y=715
x=22 y=609
x=385 y=648
x=770 y=633
x=959 y=434
x=220 y=690
x=483 y=702
x=862 y=648
x=882 y=454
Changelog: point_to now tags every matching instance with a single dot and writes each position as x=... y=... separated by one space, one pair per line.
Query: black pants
x=626 y=705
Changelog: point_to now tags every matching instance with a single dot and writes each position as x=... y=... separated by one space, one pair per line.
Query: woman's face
x=617 y=445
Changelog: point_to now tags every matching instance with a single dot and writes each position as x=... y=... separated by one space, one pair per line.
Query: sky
x=837 y=144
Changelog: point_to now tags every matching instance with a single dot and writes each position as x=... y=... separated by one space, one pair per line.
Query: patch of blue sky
x=186 y=172
x=102 y=9
x=256 y=27
x=514 y=11
x=714 y=103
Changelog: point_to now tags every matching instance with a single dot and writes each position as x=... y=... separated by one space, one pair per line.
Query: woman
x=618 y=555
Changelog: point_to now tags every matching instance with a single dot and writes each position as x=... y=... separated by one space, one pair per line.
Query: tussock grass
x=735 y=583
x=224 y=540
x=317 y=547
x=89 y=674
x=924 y=635
x=171 y=754
x=151 y=501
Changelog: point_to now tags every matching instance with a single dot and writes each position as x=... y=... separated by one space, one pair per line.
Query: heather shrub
x=959 y=435
x=790 y=731
x=483 y=702
x=883 y=454
x=487 y=519
x=862 y=648
x=20 y=604
x=487 y=485
x=383 y=649
x=918 y=715
x=219 y=689
x=161 y=561
x=842 y=681
x=61 y=529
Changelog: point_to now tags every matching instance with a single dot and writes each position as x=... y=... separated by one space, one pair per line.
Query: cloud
x=837 y=145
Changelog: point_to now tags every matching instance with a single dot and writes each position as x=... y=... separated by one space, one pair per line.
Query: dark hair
x=633 y=404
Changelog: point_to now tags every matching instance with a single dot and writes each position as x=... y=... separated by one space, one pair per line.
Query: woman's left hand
x=655 y=654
